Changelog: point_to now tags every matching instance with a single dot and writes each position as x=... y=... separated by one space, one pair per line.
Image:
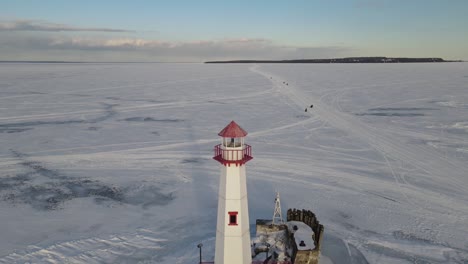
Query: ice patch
x=396 y=111
x=10 y=130
x=415 y=252
x=453 y=104
x=193 y=160
x=140 y=247
x=465 y=150
x=461 y=125
x=108 y=113
x=150 y=119
x=390 y=114
x=399 y=234
x=47 y=189
x=454 y=128
x=401 y=109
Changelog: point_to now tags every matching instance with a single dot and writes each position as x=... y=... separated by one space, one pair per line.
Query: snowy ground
x=111 y=163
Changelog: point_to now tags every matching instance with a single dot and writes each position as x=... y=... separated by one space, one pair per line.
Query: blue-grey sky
x=138 y=30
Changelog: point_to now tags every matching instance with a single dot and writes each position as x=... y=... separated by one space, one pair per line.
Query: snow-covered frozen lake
x=112 y=163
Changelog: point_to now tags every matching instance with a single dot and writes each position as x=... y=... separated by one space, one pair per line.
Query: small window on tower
x=232 y=218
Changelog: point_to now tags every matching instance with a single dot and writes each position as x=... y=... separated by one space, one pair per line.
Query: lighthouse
x=232 y=230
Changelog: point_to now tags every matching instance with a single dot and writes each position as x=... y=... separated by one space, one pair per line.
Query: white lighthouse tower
x=232 y=231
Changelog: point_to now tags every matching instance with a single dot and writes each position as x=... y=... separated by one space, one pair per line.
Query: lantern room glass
x=233 y=142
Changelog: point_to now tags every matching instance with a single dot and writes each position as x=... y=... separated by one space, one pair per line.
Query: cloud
x=143 y=44
x=26 y=40
x=233 y=48
x=40 y=25
x=16 y=46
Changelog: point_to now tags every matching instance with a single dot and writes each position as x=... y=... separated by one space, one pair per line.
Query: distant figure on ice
x=311 y=106
x=305 y=110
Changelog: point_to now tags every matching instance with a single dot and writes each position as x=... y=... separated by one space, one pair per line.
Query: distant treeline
x=341 y=60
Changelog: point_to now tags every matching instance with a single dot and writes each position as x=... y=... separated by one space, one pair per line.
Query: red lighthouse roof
x=232 y=130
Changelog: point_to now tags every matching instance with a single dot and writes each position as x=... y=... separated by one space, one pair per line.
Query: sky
x=197 y=31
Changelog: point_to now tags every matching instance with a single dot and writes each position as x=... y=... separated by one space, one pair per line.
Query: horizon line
x=209 y=61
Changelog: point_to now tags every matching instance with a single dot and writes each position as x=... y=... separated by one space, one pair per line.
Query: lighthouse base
x=296 y=241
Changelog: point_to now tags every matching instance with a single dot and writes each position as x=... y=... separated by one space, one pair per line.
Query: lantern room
x=232 y=149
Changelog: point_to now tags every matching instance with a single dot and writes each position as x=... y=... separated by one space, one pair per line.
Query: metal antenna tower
x=277 y=217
